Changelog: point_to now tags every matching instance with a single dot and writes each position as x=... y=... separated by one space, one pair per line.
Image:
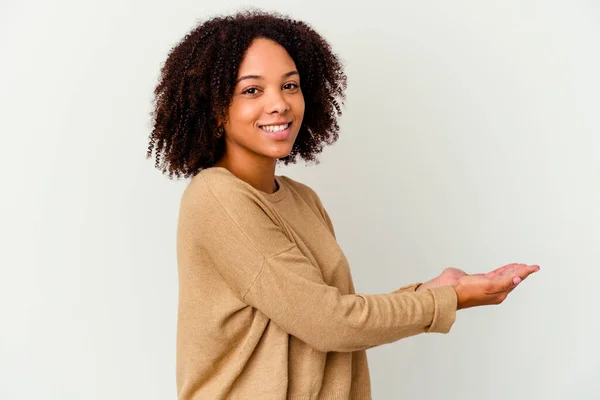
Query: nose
x=277 y=103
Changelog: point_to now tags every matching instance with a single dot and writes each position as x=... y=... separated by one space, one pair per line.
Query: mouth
x=279 y=131
x=274 y=128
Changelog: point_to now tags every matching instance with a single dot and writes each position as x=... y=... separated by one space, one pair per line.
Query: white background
x=470 y=138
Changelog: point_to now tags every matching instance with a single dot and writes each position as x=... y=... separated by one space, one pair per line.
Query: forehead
x=266 y=57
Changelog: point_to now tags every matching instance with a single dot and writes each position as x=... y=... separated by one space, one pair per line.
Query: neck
x=260 y=175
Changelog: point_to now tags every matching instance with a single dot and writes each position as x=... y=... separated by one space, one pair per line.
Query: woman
x=267 y=306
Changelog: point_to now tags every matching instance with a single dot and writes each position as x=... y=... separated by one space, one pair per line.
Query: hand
x=507 y=270
x=448 y=277
x=493 y=287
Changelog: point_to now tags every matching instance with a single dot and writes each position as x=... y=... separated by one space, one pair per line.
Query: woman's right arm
x=239 y=237
x=242 y=239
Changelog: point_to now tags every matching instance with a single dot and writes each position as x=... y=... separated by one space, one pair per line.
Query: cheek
x=298 y=105
x=244 y=112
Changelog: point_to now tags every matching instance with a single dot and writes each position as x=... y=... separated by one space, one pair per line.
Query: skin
x=482 y=289
x=268 y=91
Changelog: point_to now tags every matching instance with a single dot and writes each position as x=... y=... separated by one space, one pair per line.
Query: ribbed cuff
x=408 y=288
x=363 y=393
x=445 y=307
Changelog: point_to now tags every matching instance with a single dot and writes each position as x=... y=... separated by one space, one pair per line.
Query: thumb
x=516 y=280
x=506 y=284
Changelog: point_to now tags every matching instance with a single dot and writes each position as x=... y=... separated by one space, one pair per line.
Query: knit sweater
x=267 y=305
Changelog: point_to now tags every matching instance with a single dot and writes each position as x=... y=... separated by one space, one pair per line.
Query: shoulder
x=215 y=193
x=301 y=189
x=223 y=211
x=217 y=185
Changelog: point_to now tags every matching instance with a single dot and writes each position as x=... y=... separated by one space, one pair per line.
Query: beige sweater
x=267 y=307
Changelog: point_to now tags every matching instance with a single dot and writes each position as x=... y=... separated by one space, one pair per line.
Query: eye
x=291 y=86
x=250 y=90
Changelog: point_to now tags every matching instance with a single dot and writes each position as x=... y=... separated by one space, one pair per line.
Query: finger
x=510 y=282
x=521 y=270
x=508 y=268
x=499 y=270
x=524 y=272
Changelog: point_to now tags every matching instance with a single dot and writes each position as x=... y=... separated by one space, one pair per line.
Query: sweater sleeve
x=291 y=293
x=408 y=288
x=266 y=270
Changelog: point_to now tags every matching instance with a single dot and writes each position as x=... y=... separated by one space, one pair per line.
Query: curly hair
x=198 y=78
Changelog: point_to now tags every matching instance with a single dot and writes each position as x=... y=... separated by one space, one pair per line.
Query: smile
x=275 y=128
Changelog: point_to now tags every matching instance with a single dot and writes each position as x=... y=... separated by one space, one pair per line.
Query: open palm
x=492 y=287
x=451 y=276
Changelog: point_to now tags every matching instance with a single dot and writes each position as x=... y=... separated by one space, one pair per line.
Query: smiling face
x=267 y=106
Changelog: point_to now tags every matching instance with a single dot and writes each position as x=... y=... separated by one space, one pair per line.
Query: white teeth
x=275 y=128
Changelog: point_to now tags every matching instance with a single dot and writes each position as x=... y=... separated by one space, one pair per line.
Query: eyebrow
x=286 y=75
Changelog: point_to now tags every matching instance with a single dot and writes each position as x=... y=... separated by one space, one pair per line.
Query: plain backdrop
x=470 y=138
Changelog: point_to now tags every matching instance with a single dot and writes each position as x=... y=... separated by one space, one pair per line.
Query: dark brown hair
x=198 y=78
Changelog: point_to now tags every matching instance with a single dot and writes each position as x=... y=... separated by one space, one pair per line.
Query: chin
x=279 y=153
x=280 y=149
